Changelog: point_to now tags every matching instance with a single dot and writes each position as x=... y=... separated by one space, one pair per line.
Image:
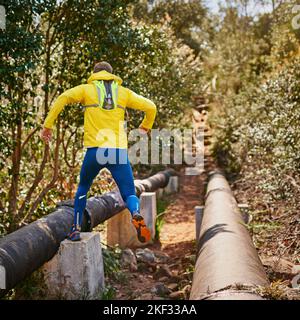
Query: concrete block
x=120 y=231
x=194 y=171
x=2 y=278
x=149 y=210
x=199 y=211
x=76 y=271
x=159 y=193
x=173 y=185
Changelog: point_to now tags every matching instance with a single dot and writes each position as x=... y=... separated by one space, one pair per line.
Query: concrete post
x=199 y=210
x=2 y=278
x=159 y=193
x=76 y=271
x=120 y=230
x=149 y=210
x=173 y=185
x=194 y=171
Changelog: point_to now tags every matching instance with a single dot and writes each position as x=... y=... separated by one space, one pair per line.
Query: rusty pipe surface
x=28 y=248
x=227 y=260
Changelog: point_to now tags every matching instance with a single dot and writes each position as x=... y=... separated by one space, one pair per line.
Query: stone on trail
x=163 y=270
x=172 y=286
x=161 y=290
x=145 y=255
x=163 y=279
x=128 y=259
x=176 y=295
x=161 y=257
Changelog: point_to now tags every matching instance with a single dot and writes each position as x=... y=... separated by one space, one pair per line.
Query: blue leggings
x=117 y=162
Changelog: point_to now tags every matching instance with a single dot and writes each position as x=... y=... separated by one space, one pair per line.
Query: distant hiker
x=105 y=101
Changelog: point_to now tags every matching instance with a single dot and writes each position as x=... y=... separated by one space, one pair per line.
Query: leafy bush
x=55 y=52
x=262 y=127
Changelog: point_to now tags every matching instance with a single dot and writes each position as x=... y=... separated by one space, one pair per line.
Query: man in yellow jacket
x=105 y=101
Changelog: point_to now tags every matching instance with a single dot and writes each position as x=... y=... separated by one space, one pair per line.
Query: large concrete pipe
x=228 y=266
x=27 y=249
x=153 y=183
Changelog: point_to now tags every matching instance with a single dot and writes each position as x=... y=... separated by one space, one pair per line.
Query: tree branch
x=36 y=181
x=51 y=184
x=29 y=136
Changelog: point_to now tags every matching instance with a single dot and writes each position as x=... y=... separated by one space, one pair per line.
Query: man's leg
x=123 y=176
x=89 y=170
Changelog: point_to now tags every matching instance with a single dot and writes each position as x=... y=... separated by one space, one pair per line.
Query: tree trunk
x=14 y=187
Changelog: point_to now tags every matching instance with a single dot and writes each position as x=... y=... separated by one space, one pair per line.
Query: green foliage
x=257 y=227
x=111 y=260
x=31 y=288
x=58 y=43
x=237 y=56
x=261 y=126
x=108 y=293
x=20 y=50
x=188 y=20
x=161 y=207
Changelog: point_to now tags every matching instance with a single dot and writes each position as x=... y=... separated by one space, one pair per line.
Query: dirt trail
x=178 y=231
x=171 y=277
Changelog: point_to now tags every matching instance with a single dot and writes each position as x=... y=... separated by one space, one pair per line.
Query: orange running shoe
x=143 y=233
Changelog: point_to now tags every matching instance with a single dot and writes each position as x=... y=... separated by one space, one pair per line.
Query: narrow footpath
x=164 y=270
x=169 y=276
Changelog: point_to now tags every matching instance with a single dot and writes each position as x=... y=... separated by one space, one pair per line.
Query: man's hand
x=143 y=130
x=46 y=135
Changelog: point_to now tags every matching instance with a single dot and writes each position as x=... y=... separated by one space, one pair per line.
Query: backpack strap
x=106 y=90
x=115 y=93
x=98 y=89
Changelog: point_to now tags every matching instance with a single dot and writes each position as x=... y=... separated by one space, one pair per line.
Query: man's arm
x=138 y=102
x=74 y=95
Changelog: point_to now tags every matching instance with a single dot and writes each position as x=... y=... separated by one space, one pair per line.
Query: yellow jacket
x=103 y=128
